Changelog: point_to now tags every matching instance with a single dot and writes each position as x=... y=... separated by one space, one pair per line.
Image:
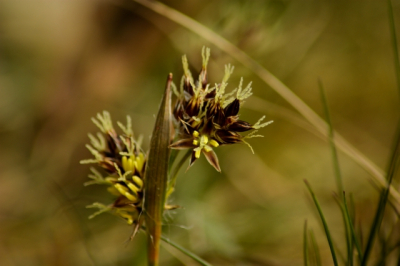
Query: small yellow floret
x=124 y=162
x=138 y=181
x=203 y=140
x=139 y=162
x=195 y=142
x=207 y=148
x=128 y=164
x=131 y=165
x=197 y=153
x=196 y=134
x=126 y=216
x=213 y=143
x=131 y=197
x=121 y=188
x=113 y=191
x=133 y=188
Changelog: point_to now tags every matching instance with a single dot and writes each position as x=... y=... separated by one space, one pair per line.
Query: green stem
x=185 y=251
x=338 y=175
x=156 y=176
x=324 y=223
x=305 y=245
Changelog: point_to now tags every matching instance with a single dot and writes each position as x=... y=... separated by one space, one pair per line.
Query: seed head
x=124 y=162
x=207 y=117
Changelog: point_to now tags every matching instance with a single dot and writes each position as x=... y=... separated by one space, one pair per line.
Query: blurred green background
x=61 y=62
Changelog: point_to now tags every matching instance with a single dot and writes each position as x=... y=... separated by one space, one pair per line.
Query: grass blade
x=305 y=245
x=383 y=200
x=317 y=255
x=186 y=252
x=156 y=176
x=395 y=152
x=352 y=230
x=348 y=236
x=325 y=225
x=338 y=176
x=394 y=43
x=374 y=228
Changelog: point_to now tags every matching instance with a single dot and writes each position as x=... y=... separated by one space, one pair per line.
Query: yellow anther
x=128 y=163
x=196 y=121
x=139 y=162
x=124 y=162
x=131 y=162
x=138 y=181
x=126 y=216
x=134 y=188
x=197 y=153
x=139 y=165
x=131 y=197
x=195 y=142
x=214 y=143
x=203 y=140
x=207 y=148
x=195 y=134
x=121 y=188
x=113 y=191
x=133 y=157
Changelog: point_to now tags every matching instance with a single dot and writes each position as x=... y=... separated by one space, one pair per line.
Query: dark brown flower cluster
x=124 y=162
x=206 y=116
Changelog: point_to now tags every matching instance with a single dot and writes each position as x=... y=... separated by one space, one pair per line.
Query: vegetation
x=328 y=68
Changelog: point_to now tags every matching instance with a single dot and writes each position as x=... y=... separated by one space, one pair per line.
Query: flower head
x=206 y=116
x=124 y=162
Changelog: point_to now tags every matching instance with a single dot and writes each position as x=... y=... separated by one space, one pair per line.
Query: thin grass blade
x=393 y=36
x=352 y=230
x=156 y=176
x=325 y=225
x=394 y=155
x=338 y=176
x=348 y=236
x=383 y=200
x=305 y=245
x=317 y=255
x=336 y=167
x=186 y=252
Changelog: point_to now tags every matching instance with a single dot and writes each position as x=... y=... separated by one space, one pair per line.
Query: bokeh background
x=61 y=62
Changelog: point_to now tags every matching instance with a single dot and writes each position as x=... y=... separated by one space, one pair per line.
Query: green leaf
x=325 y=225
x=156 y=175
x=394 y=43
x=186 y=252
x=317 y=256
x=352 y=229
x=336 y=167
x=338 y=177
x=383 y=200
x=305 y=245
x=348 y=236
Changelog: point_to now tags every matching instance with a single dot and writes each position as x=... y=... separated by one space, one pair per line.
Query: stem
x=156 y=176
